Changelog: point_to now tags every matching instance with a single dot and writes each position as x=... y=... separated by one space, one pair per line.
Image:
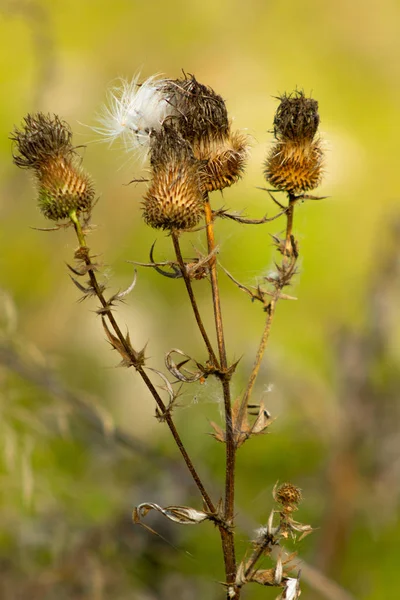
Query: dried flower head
x=134 y=110
x=202 y=119
x=174 y=199
x=295 y=162
x=44 y=144
x=288 y=495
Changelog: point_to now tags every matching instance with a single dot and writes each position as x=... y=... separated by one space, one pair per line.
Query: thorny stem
x=188 y=284
x=132 y=354
x=227 y=536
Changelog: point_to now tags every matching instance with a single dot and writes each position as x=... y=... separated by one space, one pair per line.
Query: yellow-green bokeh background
x=60 y=485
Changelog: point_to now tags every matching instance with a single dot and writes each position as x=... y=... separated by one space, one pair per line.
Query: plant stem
x=228 y=541
x=139 y=368
x=188 y=284
x=288 y=265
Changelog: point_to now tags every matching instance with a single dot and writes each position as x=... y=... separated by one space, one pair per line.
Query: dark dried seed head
x=296 y=118
x=200 y=111
x=41 y=138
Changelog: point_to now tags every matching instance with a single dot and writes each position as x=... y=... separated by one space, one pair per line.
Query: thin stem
x=229 y=507
x=259 y=357
x=139 y=368
x=288 y=265
x=188 y=284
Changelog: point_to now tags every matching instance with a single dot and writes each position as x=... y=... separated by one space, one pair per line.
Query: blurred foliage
x=331 y=375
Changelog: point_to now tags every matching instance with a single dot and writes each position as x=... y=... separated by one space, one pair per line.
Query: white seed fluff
x=133 y=110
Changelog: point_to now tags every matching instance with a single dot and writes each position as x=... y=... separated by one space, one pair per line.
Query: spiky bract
x=174 y=199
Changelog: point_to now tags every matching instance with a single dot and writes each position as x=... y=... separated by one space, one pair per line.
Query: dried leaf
x=183 y=515
x=176 y=369
x=119 y=346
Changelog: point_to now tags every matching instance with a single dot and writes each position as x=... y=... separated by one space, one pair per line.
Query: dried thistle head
x=174 y=199
x=295 y=161
x=44 y=144
x=202 y=119
x=288 y=495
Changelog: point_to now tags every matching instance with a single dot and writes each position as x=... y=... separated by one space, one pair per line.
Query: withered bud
x=288 y=495
x=202 y=119
x=295 y=161
x=44 y=144
x=201 y=112
x=296 y=117
x=174 y=199
x=41 y=137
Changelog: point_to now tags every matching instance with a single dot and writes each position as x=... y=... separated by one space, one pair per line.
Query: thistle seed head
x=295 y=161
x=44 y=144
x=174 y=199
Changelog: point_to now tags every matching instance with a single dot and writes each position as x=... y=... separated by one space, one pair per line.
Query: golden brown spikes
x=174 y=199
x=224 y=162
x=295 y=168
x=64 y=187
x=295 y=161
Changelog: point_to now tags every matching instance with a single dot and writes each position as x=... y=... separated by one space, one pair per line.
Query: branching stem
x=193 y=302
x=139 y=368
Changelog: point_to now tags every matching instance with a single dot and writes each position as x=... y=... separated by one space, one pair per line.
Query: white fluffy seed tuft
x=133 y=111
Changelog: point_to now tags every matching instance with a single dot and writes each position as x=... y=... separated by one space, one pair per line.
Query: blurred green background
x=69 y=478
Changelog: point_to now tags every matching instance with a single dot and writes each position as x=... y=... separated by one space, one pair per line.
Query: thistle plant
x=184 y=128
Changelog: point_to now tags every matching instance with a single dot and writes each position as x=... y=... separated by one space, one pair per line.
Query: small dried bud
x=288 y=495
x=295 y=162
x=174 y=199
x=202 y=119
x=44 y=144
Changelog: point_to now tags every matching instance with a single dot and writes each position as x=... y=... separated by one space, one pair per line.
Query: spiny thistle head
x=174 y=199
x=202 y=119
x=44 y=144
x=288 y=495
x=295 y=161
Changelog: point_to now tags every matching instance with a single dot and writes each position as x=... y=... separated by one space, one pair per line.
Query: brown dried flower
x=295 y=161
x=44 y=144
x=202 y=119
